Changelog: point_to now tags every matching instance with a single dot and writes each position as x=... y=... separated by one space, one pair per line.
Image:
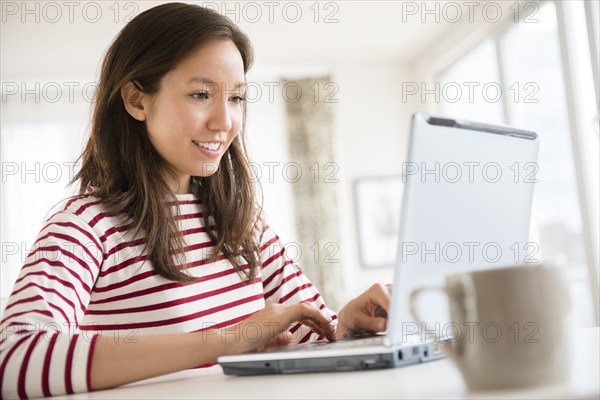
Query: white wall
x=371 y=129
x=268 y=151
x=40 y=142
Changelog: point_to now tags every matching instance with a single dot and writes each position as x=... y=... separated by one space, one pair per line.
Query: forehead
x=219 y=62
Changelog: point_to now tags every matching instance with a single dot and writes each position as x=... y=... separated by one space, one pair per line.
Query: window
x=527 y=61
x=469 y=87
x=34 y=176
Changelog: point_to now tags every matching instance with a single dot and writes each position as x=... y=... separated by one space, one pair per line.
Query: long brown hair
x=123 y=169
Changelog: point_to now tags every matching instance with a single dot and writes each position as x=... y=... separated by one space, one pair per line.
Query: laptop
x=466 y=205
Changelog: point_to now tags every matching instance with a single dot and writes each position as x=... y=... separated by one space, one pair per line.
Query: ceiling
x=355 y=31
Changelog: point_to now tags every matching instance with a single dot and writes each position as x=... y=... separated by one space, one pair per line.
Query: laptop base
x=245 y=365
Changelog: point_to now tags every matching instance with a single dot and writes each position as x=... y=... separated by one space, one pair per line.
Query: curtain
x=312 y=172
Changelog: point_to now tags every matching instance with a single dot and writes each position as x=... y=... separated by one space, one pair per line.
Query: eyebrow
x=201 y=79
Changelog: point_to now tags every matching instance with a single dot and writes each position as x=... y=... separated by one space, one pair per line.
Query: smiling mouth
x=212 y=146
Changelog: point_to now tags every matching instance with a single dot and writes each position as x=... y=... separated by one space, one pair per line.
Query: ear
x=134 y=101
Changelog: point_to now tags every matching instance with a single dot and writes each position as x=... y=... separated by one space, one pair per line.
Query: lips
x=212 y=146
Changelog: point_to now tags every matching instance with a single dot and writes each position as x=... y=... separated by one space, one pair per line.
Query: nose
x=220 y=118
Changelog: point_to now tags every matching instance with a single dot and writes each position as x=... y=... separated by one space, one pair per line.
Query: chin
x=207 y=169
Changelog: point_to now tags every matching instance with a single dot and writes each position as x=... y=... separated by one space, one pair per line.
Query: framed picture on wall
x=378 y=203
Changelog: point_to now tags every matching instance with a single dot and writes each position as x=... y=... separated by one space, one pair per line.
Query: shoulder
x=84 y=208
x=266 y=236
x=261 y=227
x=84 y=212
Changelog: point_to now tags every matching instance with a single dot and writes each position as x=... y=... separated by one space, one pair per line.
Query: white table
x=439 y=379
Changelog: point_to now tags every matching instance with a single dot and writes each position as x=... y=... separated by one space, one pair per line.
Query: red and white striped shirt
x=88 y=276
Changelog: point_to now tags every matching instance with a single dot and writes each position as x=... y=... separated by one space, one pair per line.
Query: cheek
x=232 y=139
x=237 y=118
x=157 y=122
x=172 y=122
x=236 y=128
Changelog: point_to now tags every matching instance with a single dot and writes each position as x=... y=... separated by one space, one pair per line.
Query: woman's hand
x=366 y=313
x=119 y=362
x=269 y=327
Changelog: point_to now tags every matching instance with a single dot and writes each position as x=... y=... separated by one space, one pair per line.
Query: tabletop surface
x=438 y=379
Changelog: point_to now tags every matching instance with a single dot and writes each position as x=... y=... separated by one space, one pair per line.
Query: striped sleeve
x=284 y=283
x=42 y=351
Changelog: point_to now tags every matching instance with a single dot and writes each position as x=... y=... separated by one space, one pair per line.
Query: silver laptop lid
x=466 y=206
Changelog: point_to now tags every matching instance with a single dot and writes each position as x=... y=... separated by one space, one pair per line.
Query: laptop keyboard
x=339 y=344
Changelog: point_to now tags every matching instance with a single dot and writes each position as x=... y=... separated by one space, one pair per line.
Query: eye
x=238 y=99
x=199 y=96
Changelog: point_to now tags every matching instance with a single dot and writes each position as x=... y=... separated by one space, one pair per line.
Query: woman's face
x=198 y=111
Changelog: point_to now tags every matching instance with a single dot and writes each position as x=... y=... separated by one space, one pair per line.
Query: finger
x=311 y=316
x=281 y=340
x=328 y=331
x=380 y=296
x=380 y=312
x=370 y=324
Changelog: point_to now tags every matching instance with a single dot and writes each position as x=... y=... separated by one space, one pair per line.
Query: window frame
x=577 y=122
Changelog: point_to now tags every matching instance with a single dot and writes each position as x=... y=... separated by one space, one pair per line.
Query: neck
x=181 y=185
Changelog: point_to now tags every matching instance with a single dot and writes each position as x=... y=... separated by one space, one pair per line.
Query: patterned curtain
x=310 y=130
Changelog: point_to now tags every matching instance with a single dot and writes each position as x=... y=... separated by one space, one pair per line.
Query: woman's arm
x=42 y=352
x=120 y=363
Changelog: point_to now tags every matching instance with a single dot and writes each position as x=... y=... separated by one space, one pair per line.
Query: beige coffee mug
x=510 y=326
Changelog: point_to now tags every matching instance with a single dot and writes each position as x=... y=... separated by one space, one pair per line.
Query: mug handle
x=451 y=345
x=412 y=304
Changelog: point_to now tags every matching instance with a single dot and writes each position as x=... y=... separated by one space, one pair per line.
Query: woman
x=163 y=262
